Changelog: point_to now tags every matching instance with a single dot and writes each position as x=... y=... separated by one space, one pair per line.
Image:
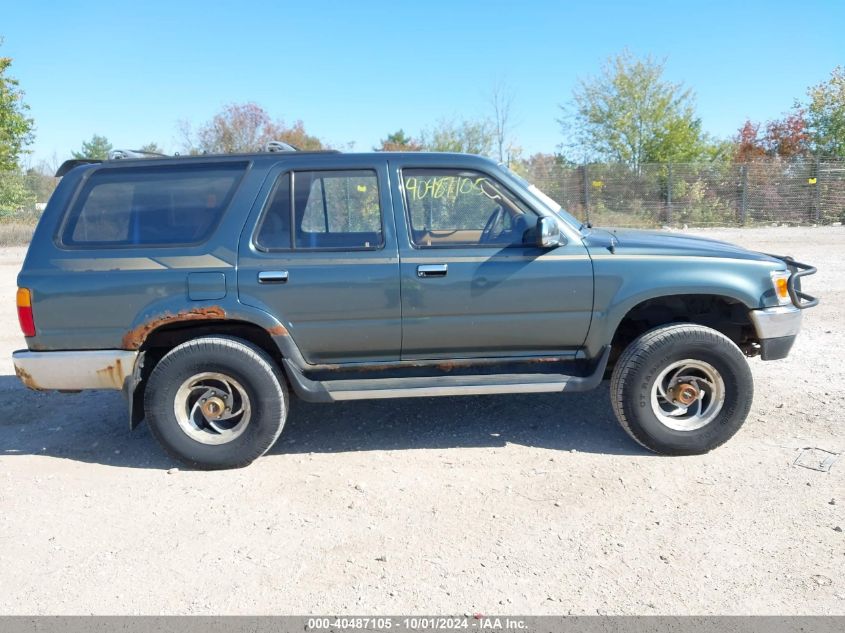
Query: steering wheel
x=487 y=233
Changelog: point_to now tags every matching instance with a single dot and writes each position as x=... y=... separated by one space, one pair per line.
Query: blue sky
x=355 y=71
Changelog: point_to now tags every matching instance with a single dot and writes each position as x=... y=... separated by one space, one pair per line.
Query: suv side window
x=328 y=210
x=134 y=206
x=457 y=207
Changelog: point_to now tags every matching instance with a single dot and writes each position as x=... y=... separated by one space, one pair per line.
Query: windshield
x=546 y=201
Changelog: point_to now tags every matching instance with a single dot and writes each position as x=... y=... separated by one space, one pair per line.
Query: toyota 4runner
x=209 y=289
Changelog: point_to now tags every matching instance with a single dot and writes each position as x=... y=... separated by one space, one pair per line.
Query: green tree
x=41 y=181
x=153 y=148
x=15 y=196
x=466 y=137
x=398 y=142
x=97 y=148
x=826 y=115
x=16 y=128
x=631 y=114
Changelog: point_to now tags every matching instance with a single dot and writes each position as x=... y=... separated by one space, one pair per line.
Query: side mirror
x=548 y=233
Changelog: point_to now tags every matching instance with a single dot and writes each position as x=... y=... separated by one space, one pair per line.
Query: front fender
x=623 y=282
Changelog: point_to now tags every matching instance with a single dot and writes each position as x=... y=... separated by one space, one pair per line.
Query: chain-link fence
x=718 y=194
x=677 y=194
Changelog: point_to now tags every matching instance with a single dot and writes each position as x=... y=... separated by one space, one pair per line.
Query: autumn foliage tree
x=783 y=138
x=749 y=145
x=245 y=127
x=788 y=137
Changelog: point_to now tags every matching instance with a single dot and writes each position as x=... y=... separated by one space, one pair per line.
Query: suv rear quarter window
x=145 y=206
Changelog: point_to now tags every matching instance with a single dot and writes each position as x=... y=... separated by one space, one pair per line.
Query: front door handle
x=432 y=270
x=273 y=277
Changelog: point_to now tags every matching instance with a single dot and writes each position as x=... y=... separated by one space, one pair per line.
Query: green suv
x=212 y=289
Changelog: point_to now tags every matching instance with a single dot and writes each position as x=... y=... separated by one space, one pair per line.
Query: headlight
x=780 y=282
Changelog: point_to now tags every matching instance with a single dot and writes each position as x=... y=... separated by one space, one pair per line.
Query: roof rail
x=280 y=146
x=118 y=154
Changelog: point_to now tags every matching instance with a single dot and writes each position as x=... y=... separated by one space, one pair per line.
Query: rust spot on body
x=112 y=375
x=278 y=330
x=448 y=366
x=26 y=379
x=135 y=337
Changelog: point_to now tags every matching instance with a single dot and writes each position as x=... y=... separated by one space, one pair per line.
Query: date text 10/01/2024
x=418 y=623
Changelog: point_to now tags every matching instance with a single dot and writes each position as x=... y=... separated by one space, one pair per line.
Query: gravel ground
x=500 y=504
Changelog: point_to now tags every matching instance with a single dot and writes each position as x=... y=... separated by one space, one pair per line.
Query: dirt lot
x=499 y=504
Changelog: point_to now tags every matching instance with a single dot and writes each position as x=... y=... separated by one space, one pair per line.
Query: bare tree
x=501 y=101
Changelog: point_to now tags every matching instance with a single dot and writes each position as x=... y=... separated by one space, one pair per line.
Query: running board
x=417 y=387
x=444 y=386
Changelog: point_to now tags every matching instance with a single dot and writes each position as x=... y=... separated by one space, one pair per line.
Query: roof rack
x=121 y=154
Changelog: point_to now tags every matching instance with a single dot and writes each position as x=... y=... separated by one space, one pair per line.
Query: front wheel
x=216 y=402
x=681 y=389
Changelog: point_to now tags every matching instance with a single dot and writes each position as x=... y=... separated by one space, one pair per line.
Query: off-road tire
x=638 y=368
x=251 y=367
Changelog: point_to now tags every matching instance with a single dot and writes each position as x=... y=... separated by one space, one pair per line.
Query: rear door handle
x=432 y=270
x=273 y=277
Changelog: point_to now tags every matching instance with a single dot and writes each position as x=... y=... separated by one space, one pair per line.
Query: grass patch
x=16 y=233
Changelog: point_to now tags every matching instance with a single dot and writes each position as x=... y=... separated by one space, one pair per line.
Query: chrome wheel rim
x=688 y=395
x=212 y=408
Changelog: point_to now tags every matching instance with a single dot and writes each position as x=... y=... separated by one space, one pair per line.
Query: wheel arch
x=270 y=336
x=725 y=313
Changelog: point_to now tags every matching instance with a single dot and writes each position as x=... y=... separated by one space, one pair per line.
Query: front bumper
x=776 y=330
x=73 y=371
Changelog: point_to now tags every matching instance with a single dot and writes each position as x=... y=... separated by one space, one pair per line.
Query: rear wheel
x=216 y=402
x=681 y=389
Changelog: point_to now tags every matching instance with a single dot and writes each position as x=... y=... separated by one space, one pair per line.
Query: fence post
x=818 y=190
x=586 y=194
x=743 y=199
x=669 y=195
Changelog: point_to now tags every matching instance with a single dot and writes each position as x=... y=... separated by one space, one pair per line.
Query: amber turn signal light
x=780 y=282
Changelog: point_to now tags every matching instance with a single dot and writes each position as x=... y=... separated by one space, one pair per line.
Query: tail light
x=25 y=318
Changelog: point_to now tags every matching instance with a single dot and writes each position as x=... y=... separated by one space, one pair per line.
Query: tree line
x=628 y=113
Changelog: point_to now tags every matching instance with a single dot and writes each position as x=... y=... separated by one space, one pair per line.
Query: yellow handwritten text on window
x=442 y=187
